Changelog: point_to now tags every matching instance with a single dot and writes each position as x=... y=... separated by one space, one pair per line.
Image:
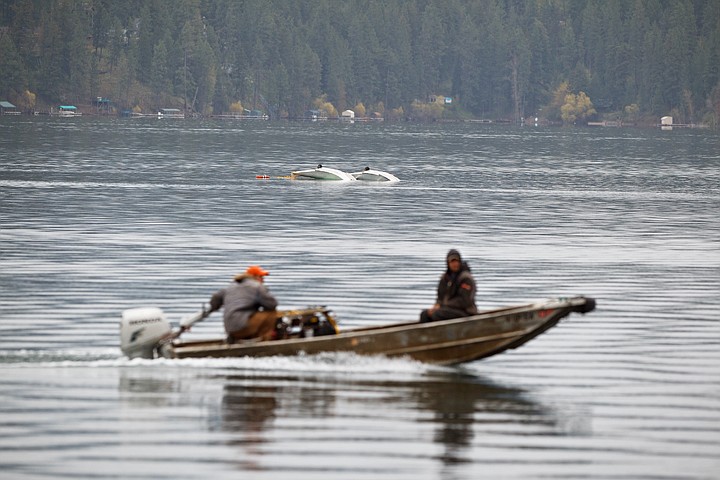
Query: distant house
x=377 y=116
x=347 y=116
x=666 y=123
x=7 y=108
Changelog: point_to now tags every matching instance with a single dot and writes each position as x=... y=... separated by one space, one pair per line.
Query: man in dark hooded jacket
x=455 y=292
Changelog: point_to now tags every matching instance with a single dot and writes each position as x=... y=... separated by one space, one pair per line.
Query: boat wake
x=319 y=364
x=58 y=357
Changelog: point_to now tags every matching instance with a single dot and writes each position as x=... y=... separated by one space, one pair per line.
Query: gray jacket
x=240 y=300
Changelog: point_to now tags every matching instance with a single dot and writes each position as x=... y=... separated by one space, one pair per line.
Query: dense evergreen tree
x=495 y=58
x=13 y=79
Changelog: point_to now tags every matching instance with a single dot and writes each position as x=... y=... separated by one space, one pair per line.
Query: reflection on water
x=465 y=406
x=246 y=412
x=246 y=408
x=252 y=412
x=304 y=422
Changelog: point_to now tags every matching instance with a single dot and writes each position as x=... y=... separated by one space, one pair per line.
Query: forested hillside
x=560 y=59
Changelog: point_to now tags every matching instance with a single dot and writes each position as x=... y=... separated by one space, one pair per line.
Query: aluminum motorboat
x=145 y=333
x=322 y=173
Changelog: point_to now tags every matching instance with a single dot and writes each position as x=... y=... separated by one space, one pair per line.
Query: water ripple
x=107 y=214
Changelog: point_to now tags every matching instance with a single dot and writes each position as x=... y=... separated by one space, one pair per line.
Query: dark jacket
x=457 y=290
x=240 y=300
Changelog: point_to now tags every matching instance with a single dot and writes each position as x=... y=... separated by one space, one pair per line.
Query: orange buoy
x=262 y=177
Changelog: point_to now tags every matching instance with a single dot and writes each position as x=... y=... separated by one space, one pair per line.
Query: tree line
x=490 y=58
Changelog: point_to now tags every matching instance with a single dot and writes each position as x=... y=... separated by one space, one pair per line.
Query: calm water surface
x=100 y=215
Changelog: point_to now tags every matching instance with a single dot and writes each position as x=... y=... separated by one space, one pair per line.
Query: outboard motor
x=141 y=330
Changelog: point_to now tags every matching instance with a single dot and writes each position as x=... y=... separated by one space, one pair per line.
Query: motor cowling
x=141 y=330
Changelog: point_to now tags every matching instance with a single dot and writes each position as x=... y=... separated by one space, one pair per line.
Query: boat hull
x=323 y=173
x=375 y=176
x=447 y=342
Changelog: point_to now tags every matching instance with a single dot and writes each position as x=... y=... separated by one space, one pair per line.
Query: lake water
x=99 y=215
